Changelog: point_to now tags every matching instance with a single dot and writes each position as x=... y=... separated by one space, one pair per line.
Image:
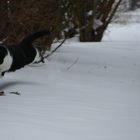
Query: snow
x=84 y=91
x=97 y=24
x=126 y=32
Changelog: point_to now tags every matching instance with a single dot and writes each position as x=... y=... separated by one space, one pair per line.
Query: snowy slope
x=86 y=91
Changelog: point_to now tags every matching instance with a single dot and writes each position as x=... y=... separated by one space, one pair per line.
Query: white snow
x=86 y=91
x=97 y=24
x=123 y=32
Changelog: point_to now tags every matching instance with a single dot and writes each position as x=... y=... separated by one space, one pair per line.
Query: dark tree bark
x=92 y=17
x=103 y=13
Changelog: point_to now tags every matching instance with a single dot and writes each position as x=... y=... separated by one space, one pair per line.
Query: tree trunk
x=103 y=12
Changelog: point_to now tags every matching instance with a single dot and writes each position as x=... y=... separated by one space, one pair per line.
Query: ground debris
x=16 y=93
x=2 y=93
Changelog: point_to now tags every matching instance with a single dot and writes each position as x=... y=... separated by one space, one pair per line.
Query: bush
x=21 y=18
x=64 y=18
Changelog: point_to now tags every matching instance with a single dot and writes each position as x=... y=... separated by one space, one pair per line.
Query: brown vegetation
x=20 y=18
x=64 y=18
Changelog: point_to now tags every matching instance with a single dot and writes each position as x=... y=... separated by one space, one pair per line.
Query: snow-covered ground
x=86 y=91
x=122 y=33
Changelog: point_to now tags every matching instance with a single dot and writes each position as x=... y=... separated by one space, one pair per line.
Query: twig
x=16 y=93
x=2 y=93
x=68 y=68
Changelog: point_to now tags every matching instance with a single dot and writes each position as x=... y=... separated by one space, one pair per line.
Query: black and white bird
x=13 y=57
